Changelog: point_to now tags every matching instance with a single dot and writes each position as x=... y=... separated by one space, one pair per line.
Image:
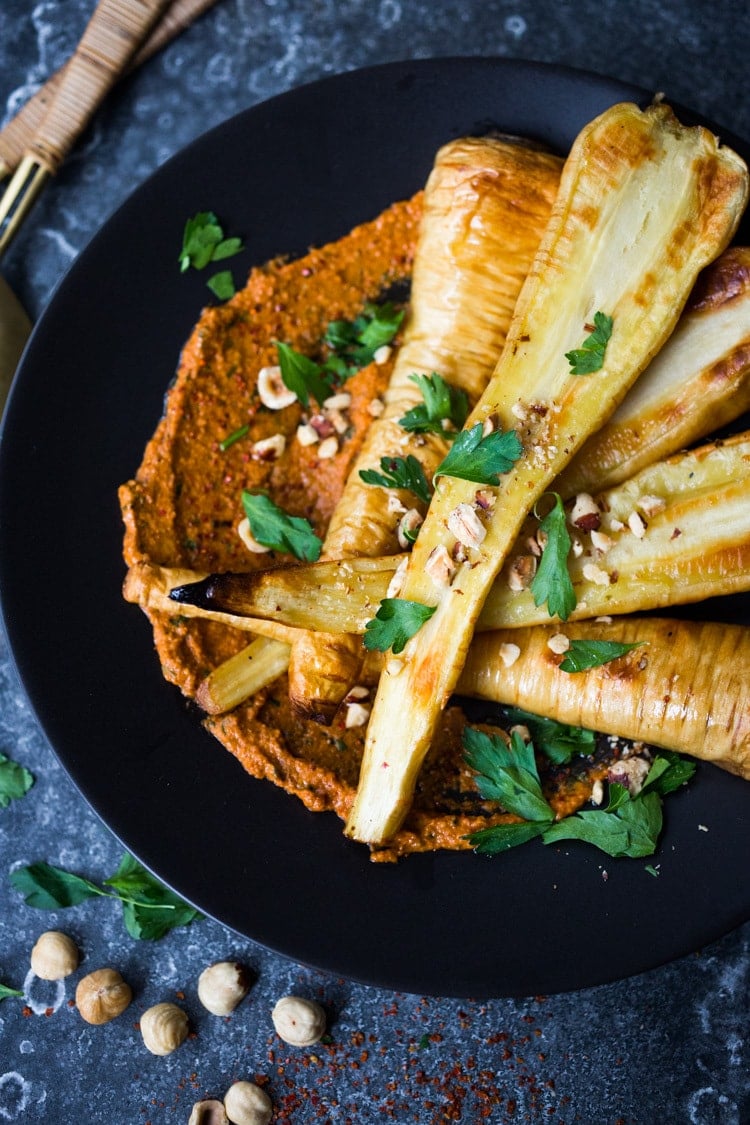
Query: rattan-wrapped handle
x=111 y=39
x=16 y=137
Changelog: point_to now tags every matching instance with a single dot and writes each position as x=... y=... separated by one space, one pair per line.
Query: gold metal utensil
x=114 y=33
x=18 y=135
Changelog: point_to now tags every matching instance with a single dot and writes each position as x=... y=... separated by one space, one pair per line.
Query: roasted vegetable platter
x=536 y=919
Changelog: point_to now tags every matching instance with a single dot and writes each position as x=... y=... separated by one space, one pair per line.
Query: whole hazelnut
x=164 y=1027
x=298 y=1021
x=54 y=956
x=247 y=1104
x=208 y=1112
x=102 y=995
x=222 y=986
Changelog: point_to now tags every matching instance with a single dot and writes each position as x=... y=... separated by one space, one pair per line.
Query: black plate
x=298 y=170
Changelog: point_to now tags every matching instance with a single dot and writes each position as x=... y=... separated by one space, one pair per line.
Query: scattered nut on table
x=247 y=1104
x=298 y=1021
x=222 y=986
x=164 y=1027
x=208 y=1112
x=54 y=956
x=102 y=995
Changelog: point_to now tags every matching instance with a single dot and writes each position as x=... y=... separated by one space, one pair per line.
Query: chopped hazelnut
x=247 y=537
x=408 y=525
x=595 y=574
x=328 y=448
x=521 y=572
x=357 y=715
x=637 y=525
x=509 y=654
x=651 y=505
x=268 y=449
x=382 y=354
x=465 y=524
x=439 y=566
x=272 y=389
x=558 y=643
x=307 y=434
x=585 y=514
x=341 y=401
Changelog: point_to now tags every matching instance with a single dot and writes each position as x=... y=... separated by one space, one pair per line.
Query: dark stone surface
x=669 y=1045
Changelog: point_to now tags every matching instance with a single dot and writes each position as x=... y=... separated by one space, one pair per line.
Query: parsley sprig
x=552 y=583
x=15 y=781
x=626 y=826
x=590 y=356
x=558 y=741
x=400 y=472
x=149 y=909
x=272 y=527
x=303 y=375
x=352 y=345
x=442 y=404
x=395 y=623
x=203 y=241
x=480 y=457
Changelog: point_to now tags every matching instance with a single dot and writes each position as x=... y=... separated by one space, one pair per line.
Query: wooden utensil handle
x=16 y=137
x=113 y=35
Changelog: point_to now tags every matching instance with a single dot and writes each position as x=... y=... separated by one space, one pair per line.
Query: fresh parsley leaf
x=500 y=837
x=48 y=888
x=15 y=780
x=668 y=772
x=507 y=773
x=149 y=909
x=442 y=403
x=355 y=342
x=382 y=324
x=226 y=249
x=480 y=457
x=558 y=741
x=203 y=241
x=400 y=472
x=222 y=285
x=590 y=356
x=273 y=528
x=6 y=991
x=628 y=826
x=652 y=870
x=583 y=655
x=201 y=235
x=552 y=583
x=303 y=376
x=395 y=623
x=597 y=827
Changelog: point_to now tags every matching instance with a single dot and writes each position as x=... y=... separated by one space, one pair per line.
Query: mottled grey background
x=669 y=1046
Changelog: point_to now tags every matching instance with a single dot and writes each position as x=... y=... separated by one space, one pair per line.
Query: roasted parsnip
x=644 y=205
x=699 y=382
x=486 y=204
x=678 y=532
x=685 y=687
